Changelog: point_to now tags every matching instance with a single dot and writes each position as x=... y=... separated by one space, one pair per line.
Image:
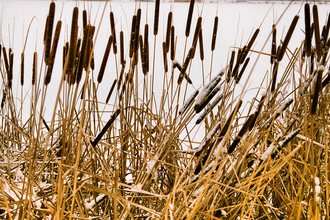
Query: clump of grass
x=132 y=157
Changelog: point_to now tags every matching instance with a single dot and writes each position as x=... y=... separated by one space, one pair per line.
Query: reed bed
x=134 y=155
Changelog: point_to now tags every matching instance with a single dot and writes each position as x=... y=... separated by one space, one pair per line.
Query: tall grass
x=134 y=157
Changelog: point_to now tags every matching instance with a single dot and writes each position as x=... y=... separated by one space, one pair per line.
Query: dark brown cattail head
x=5 y=58
x=168 y=31
x=111 y=90
x=145 y=64
x=84 y=18
x=185 y=65
x=49 y=30
x=113 y=31
x=239 y=76
x=122 y=60
x=198 y=27
x=165 y=57
x=317 y=90
x=73 y=42
x=22 y=69
x=287 y=38
x=11 y=66
x=190 y=14
x=105 y=59
x=131 y=45
x=273 y=57
x=137 y=30
x=241 y=133
x=172 y=43
x=317 y=33
x=201 y=44
x=83 y=52
x=55 y=42
x=215 y=31
x=307 y=30
x=230 y=68
x=34 y=67
x=156 y=20
x=275 y=70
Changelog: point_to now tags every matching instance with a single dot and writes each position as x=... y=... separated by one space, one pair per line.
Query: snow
x=90 y=205
x=151 y=164
x=265 y=155
x=205 y=92
x=224 y=213
x=189 y=100
x=317 y=181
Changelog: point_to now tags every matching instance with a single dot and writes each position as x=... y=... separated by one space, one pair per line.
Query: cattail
x=121 y=76
x=78 y=47
x=105 y=128
x=185 y=65
x=244 y=129
x=275 y=70
x=318 y=88
x=141 y=49
x=111 y=90
x=325 y=55
x=83 y=52
x=124 y=87
x=327 y=31
x=11 y=66
x=188 y=102
x=203 y=96
x=261 y=102
x=122 y=60
x=105 y=59
x=208 y=109
x=49 y=29
x=198 y=27
x=317 y=32
x=5 y=58
x=73 y=41
x=190 y=14
x=284 y=142
x=231 y=63
x=3 y=97
x=172 y=43
x=65 y=52
x=53 y=53
x=46 y=26
x=215 y=31
x=89 y=48
x=156 y=20
x=272 y=58
x=207 y=99
x=307 y=30
x=113 y=31
x=22 y=68
x=34 y=67
x=137 y=30
x=131 y=45
x=249 y=46
x=201 y=45
x=229 y=120
x=146 y=49
x=243 y=69
x=84 y=19
x=165 y=57
x=168 y=31
x=287 y=38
